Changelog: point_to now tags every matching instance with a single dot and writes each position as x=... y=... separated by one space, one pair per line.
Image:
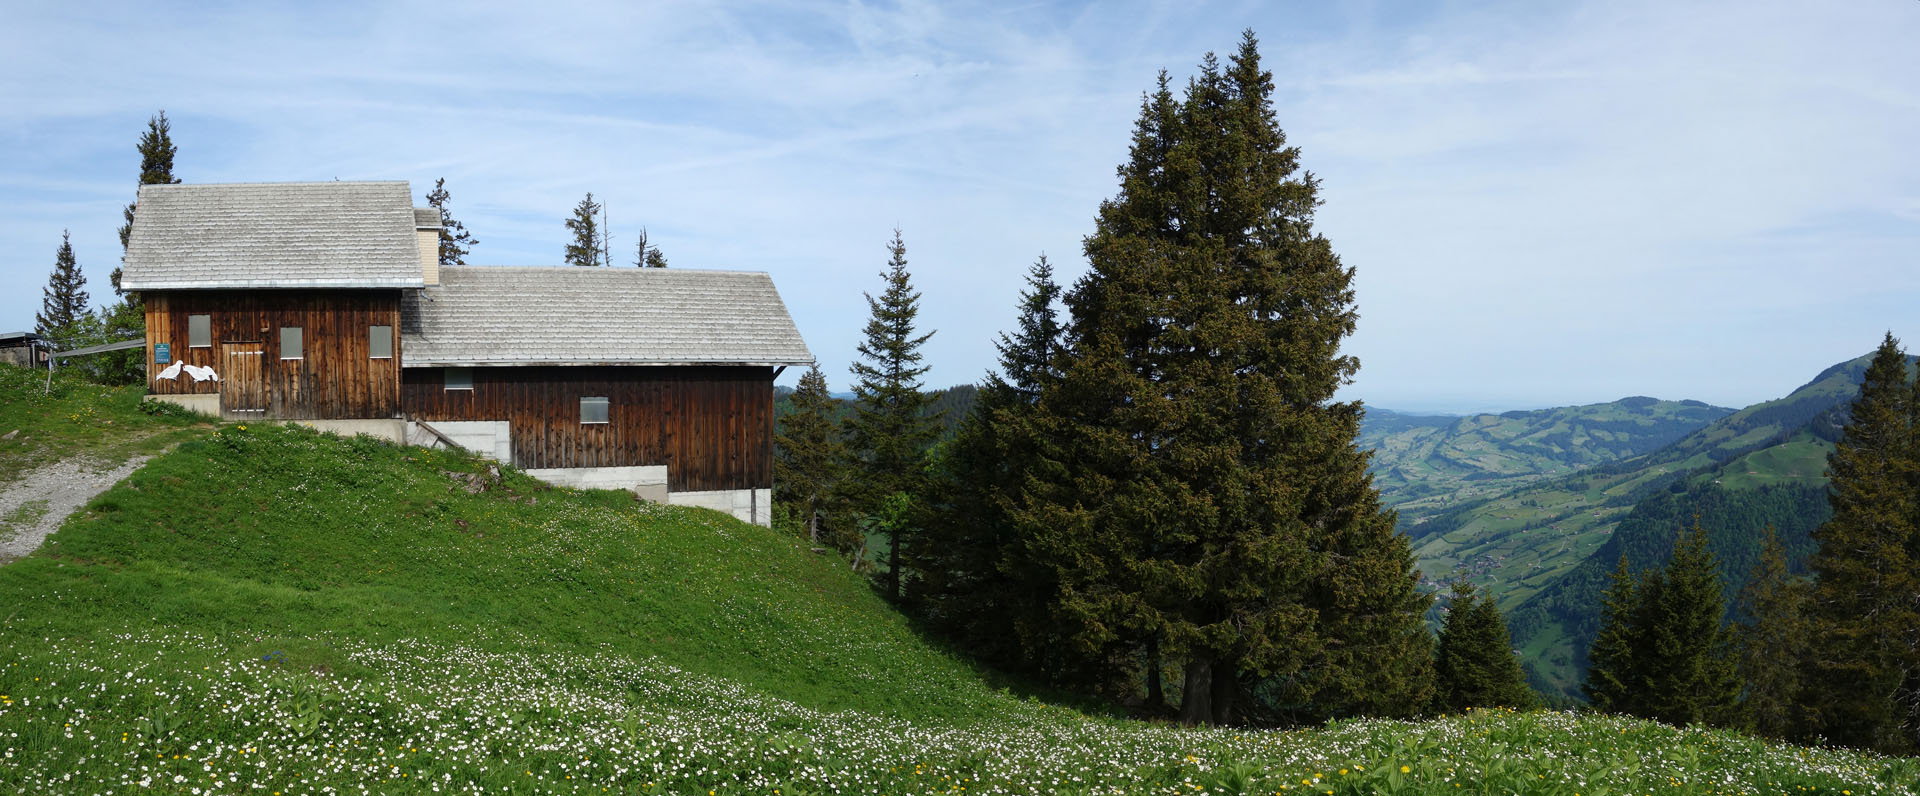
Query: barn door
x=243 y=383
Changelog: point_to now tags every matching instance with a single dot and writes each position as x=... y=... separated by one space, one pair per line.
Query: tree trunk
x=1196 y=693
x=1156 y=695
x=1226 y=687
x=813 y=526
x=893 y=564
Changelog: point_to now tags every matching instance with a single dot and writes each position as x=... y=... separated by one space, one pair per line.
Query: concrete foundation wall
x=389 y=430
x=488 y=438
x=748 y=505
x=206 y=404
x=649 y=482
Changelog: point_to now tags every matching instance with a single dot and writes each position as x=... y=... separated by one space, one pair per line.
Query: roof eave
x=242 y=284
x=413 y=362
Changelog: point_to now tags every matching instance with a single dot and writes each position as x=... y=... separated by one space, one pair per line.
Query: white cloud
x=1544 y=204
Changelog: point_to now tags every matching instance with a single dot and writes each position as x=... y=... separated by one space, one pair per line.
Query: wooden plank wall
x=711 y=426
x=336 y=378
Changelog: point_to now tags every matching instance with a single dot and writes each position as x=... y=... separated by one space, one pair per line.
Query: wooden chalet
x=324 y=303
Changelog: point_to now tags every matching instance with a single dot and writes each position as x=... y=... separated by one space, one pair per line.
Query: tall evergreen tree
x=1866 y=597
x=1773 y=645
x=1207 y=494
x=888 y=433
x=972 y=579
x=455 y=241
x=585 y=248
x=807 y=468
x=1663 y=652
x=1689 y=653
x=1474 y=666
x=156 y=168
x=1028 y=356
x=62 y=301
x=1613 y=684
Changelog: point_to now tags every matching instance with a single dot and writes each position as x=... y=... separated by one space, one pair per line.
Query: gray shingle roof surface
x=259 y=235
x=424 y=217
x=570 y=315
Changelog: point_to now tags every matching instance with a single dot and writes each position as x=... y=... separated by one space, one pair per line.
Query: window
x=457 y=378
x=380 y=341
x=199 y=331
x=289 y=342
x=593 y=410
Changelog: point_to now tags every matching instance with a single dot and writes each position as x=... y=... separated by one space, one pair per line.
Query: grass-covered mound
x=273 y=611
x=42 y=421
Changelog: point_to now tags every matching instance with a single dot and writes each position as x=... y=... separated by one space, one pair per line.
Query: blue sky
x=1545 y=204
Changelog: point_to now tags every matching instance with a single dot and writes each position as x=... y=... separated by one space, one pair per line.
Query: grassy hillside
x=75 y=418
x=271 y=610
x=1427 y=465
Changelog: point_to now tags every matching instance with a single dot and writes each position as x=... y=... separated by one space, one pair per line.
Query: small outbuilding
x=26 y=349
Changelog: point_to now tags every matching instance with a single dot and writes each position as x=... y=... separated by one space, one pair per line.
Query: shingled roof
x=263 y=235
x=570 y=315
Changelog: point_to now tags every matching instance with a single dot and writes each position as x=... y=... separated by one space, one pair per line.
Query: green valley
x=1428 y=465
x=1542 y=547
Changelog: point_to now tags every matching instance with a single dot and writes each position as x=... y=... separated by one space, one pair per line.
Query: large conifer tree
x=1474 y=666
x=455 y=241
x=889 y=432
x=63 y=301
x=1663 y=651
x=1773 y=645
x=1202 y=489
x=972 y=578
x=1613 y=684
x=807 y=470
x=156 y=168
x=1688 y=660
x=1866 y=599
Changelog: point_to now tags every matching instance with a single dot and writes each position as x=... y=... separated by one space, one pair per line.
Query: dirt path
x=32 y=507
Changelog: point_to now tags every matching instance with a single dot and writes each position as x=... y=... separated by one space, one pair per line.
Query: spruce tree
x=972 y=579
x=1663 y=652
x=1203 y=493
x=1613 y=682
x=1688 y=658
x=1474 y=666
x=888 y=433
x=1773 y=645
x=156 y=168
x=1865 y=673
x=455 y=241
x=1027 y=357
x=63 y=301
x=585 y=249
x=807 y=468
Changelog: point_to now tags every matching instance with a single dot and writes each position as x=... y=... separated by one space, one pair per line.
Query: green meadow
x=270 y=610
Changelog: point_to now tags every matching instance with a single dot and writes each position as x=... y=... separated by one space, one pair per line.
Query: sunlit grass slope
x=274 y=611
x=41 y=421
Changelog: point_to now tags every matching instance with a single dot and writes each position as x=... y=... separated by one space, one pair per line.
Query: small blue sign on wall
x=162 y=353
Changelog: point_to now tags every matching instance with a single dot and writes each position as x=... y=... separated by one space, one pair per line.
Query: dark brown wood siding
x=711 y=426
x=336 y=376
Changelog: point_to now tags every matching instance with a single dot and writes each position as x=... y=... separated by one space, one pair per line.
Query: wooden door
x=243 y=382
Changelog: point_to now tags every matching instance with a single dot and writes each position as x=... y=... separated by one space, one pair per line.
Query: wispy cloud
x=1607 y=194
